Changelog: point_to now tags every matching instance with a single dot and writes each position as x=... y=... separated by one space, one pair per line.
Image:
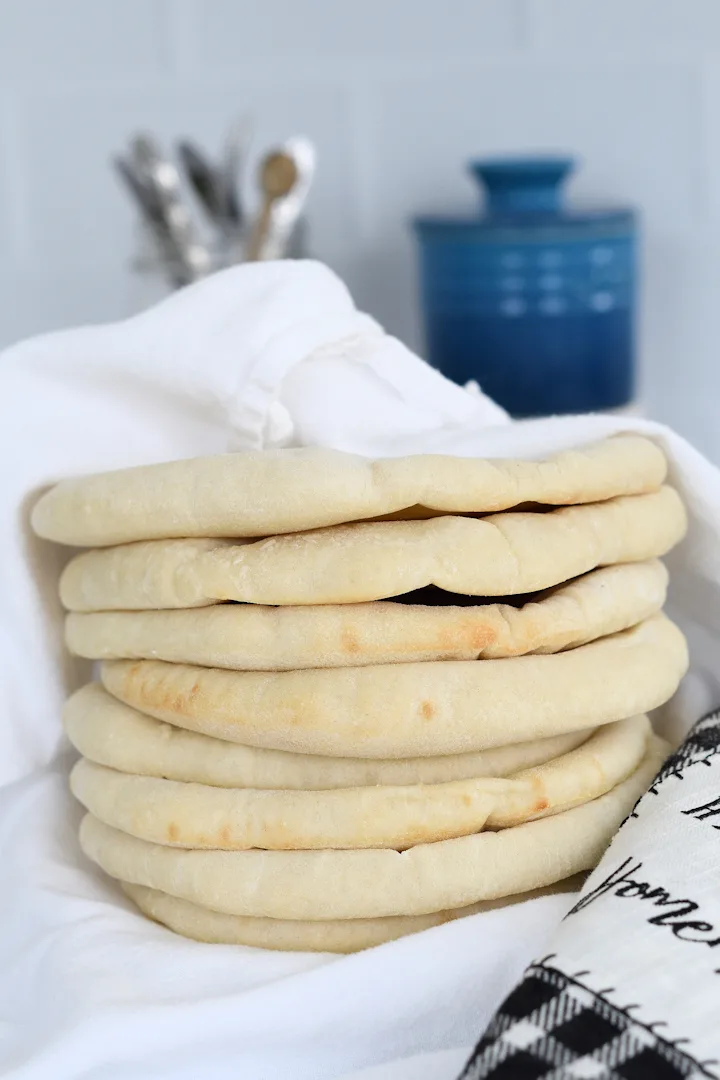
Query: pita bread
x=113 y=734
x=333 y=935
x=321 y=885
x=198 y=816
x=254 y=638
x=497 y=556
x=263 y=493
x=399 y=710
x=600 y=764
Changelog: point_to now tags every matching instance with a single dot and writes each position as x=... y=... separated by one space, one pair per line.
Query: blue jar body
x=537 y=307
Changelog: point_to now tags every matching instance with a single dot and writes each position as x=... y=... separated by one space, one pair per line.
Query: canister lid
x=524 y=195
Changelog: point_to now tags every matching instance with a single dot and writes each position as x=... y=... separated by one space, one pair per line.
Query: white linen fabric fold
x=266 y=355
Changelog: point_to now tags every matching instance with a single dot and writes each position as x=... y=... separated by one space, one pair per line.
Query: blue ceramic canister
x=533 y=301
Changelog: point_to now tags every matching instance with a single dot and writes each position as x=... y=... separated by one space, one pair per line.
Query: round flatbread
x=600 y=764
x=199 y=816
x=296 y=935
x=105 y=730
x=399 y=710
x=316 y=885
x=499 y=555
x=263 y=493
x=249 y=637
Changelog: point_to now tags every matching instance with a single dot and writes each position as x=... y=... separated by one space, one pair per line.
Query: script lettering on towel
x=623 y=883
x=706 y=810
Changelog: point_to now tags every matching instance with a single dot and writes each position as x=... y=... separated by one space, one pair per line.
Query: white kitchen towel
x=273 y=354
x=631 y=987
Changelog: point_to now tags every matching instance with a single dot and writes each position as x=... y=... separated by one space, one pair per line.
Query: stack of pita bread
x=343 y=700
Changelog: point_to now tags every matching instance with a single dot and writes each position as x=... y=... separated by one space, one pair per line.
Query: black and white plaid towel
x=631 y=990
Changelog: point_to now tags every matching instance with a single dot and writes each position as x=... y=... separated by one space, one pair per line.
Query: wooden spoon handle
x=260 y=229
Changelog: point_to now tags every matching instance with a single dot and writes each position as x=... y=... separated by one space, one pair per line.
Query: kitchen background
x=396 y=95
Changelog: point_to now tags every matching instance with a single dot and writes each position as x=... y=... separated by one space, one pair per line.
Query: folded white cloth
x=264 y=355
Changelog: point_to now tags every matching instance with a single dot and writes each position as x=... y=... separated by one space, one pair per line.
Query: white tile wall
x=625 y=25
x=319 y=30
x=44 y=41
x=397 y=94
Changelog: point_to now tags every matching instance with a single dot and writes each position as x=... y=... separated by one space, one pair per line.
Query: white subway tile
x=52 y=297
x=224 y=33
x=42 y=40
x=637 y=26
x=711 y=138
x=681 y=329
x=11 y=194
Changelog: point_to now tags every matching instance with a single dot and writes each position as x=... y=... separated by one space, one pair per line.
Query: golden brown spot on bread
x=468 y=634
x=429 y=834
x=349 y=641
x=481 y=636
x=158 y=696
x=172 y=831
x=225 y=835
x=427 y=710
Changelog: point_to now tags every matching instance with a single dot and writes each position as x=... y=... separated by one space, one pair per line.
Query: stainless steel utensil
x=206 y=181
x=161 y=195
x=160 y=176
x=154 y=221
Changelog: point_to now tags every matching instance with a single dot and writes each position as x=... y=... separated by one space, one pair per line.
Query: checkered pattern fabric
x=555 y=1028
x=700 y=748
